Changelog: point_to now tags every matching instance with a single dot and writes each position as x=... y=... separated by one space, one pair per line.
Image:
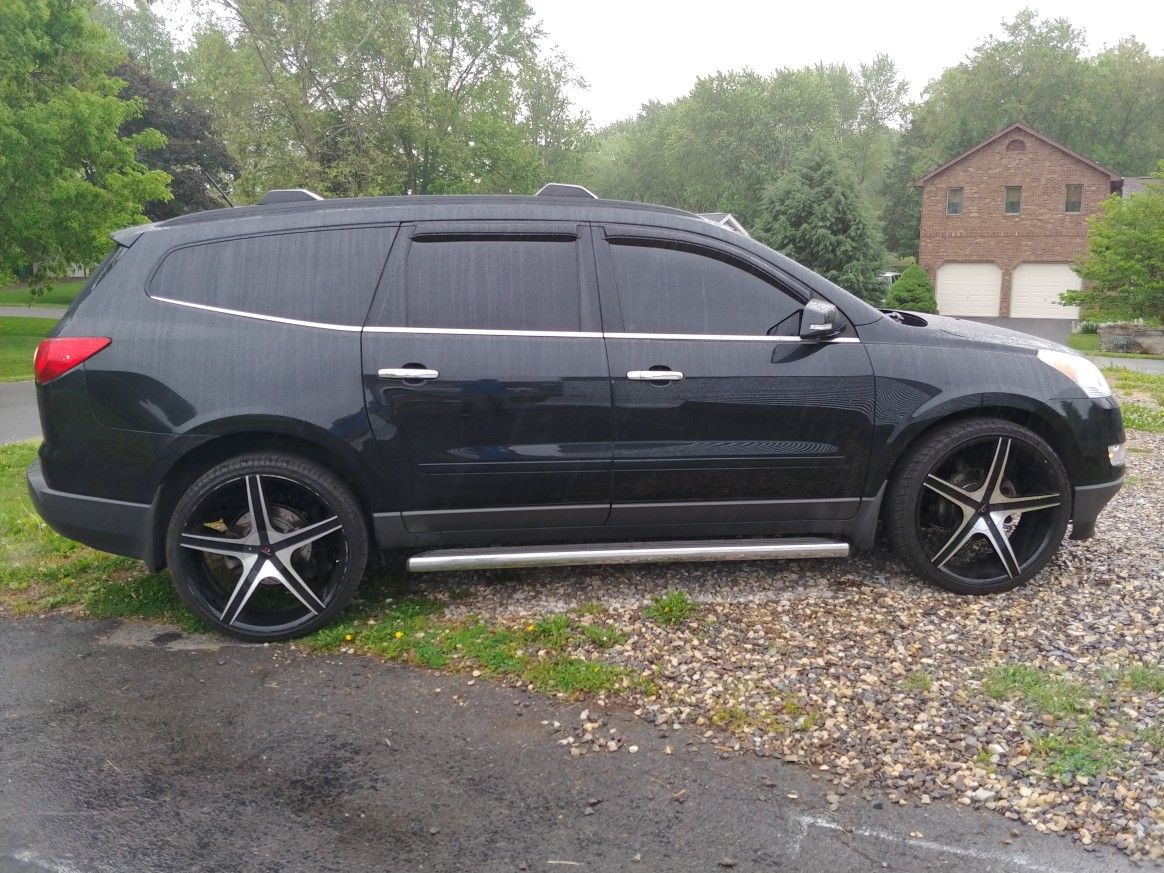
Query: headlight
x=1117 y=455
x=1079 y=370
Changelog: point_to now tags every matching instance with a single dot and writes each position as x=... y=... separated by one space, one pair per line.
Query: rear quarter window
x=325 y=276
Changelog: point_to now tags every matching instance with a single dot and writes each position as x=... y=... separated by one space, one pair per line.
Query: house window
x=1074 y=199
x=1016 y=145
x=953 y=201
x=1014 y=200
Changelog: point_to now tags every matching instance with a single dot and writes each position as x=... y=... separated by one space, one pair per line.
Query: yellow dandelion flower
x=348 y=638
x=399 y=635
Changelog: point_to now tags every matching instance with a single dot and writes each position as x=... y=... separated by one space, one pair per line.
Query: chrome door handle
x=654 y=375
x=407 y=373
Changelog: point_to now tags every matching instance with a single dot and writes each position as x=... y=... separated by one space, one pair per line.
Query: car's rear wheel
x=266 y=547
x=980 y=506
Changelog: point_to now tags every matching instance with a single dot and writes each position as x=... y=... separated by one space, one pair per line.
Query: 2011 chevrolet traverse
x=257 y=397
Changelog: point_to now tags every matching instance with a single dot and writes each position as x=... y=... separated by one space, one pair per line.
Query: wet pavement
x=31 y=312
x=19 y=419
x=133 y=747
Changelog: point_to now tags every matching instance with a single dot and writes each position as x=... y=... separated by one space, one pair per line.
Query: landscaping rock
x=1131 y=338
x=1042 y=704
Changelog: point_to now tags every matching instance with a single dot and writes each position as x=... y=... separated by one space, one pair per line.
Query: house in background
x=1001 y=224
x=1136 y=184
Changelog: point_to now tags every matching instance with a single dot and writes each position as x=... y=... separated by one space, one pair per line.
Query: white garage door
x=969 y=289
x=1035 y=290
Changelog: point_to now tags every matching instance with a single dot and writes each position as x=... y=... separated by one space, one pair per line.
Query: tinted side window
x=327 y=276
x=669 y=289
x=490 y=283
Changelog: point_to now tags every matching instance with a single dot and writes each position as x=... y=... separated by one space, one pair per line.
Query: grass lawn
x=60 y=294
x=1141 y=397
x=18 y=340
x=1088 y=343
x=1084 y=342
x=41 y=571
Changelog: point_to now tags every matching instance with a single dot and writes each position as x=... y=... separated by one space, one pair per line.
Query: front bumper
x=108 y=525
x=1089 y=501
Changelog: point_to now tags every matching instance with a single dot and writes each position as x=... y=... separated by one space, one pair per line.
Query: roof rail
x=288 y=195
x=725 y=220
x=560 y=189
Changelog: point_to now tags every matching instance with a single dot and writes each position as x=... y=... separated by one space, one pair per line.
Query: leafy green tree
x=68 y=179
x=1124 y=265
x=816 y=215
x=193 y=149
x=883 y=105
x=1108 y=106
x=901 y=202
x=559 y=132
x=718 y=147
x=352 y=98
x=912 y=291
x=144 y=34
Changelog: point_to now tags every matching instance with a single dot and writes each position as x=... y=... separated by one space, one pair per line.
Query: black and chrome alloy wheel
x=267 y=547
x=981 y=506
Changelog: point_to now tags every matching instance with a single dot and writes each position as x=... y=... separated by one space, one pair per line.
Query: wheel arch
x=1016 y=409
x=314 y=444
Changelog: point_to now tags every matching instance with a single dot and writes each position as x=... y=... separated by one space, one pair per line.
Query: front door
x=722 y=413
x=486 y=377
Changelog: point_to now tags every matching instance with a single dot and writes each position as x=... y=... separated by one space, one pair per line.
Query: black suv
x=258 y=397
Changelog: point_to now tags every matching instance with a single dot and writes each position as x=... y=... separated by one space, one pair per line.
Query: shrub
x=912 y=291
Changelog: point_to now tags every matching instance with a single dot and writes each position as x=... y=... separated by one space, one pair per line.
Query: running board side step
x=625 y=553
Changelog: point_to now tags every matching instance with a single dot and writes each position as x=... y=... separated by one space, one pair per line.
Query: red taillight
x=55 y=357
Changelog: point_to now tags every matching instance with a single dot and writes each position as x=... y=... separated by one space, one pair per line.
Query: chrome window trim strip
x=727 y=337
x=278 y=319
x=467 y=331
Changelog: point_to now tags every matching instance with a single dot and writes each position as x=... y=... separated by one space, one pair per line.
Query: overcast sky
x=633 y=51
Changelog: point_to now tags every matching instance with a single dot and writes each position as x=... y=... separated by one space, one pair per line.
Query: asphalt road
x=133 y=748
x=19 y=419
x=1140 y=365
x=31 y=312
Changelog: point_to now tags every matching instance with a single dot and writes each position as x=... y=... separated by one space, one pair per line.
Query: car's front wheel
x=267 y=546
x=979 y=506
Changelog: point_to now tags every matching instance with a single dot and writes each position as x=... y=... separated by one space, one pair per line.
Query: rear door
x=486 y=378
x=744 y=422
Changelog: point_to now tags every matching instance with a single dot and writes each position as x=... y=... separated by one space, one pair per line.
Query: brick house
x=1001 y=224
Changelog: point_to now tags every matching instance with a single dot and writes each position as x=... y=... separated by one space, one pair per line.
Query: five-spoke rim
x=986 y=509
x=272 y=553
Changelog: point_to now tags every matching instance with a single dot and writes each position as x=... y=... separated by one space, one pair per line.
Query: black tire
x=978 y=506
x=283 y=578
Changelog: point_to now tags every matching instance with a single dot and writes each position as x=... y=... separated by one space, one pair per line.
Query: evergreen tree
x=815 y=214
x=901 y=210
x=912 y=291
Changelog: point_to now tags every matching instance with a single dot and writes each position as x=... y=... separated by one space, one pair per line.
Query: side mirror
x=819 y=320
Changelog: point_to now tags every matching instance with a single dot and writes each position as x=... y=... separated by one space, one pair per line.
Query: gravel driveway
x=1045 y=704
